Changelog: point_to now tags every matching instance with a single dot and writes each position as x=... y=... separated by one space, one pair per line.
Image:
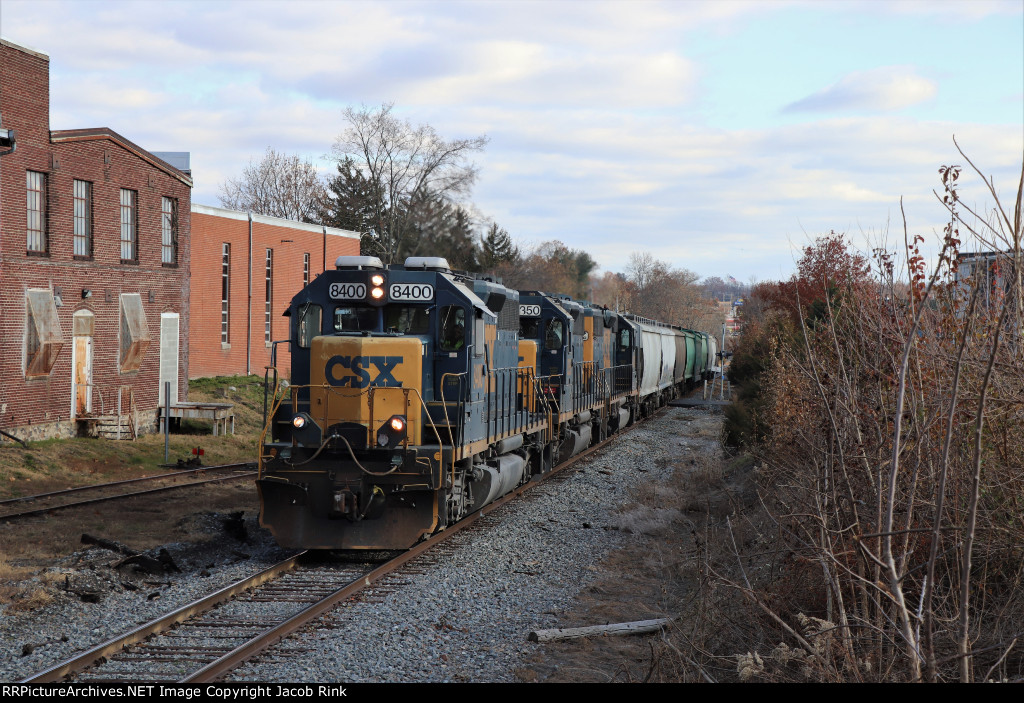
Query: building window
x=169 y=231
x=305 y=269
x=129 y=225
x=268 y=318
x=43 y=340
x=83 y=218
x=35 y=186
x=225 y=292
x=134 y=332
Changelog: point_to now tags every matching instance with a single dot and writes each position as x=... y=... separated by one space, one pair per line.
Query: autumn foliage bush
x=884 y=397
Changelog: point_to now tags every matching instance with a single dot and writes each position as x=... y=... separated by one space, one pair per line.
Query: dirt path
x=659 y=574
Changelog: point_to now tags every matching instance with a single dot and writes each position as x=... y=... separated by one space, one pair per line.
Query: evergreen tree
x=496 y=248
x=353 y=203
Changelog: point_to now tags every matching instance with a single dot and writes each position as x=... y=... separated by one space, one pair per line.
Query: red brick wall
x=25 y=77
x=110 y=165
x=212 y=227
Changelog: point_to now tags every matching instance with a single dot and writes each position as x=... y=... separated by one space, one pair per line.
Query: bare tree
x=404 y=164
x=280 y=185
x=663 y=292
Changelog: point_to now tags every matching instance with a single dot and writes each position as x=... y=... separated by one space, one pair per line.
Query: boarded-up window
x=44 y=339
x=83 y=324
x=134 y=332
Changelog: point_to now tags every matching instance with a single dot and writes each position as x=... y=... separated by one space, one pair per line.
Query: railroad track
x=43 y=503
x=205 y=644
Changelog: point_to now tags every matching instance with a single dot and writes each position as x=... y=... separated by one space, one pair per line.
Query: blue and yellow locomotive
x=418 y=395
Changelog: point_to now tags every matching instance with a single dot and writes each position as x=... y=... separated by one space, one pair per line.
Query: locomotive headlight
x=392 y=432
x=377 y=280
x=306 y=432
x=377 y=293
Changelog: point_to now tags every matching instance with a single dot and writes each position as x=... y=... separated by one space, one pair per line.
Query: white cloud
x=879 y=89
x=593 y=110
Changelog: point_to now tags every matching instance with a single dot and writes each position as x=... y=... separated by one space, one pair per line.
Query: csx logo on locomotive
x=358 y=375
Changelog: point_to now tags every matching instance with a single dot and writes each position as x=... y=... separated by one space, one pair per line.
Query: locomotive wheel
x=457 y=501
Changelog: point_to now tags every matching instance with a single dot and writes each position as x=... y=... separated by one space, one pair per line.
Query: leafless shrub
x=893 y=461
x=645 y=520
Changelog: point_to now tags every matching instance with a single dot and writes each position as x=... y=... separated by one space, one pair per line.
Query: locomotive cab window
x=407 y=319
x=453 y=328
x=624 y=340
x=529 y=327
x=355 y=318
x=478 y=335
x=554 y=335
x=309 y=324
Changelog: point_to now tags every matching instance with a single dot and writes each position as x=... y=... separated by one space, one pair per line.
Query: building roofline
x=60 y=136
x=273 y=221
x=983 y=254
x=21 y=47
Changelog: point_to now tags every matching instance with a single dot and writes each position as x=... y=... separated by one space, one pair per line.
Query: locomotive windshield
x=355 y=318
x=407 y=319
x=529 y=327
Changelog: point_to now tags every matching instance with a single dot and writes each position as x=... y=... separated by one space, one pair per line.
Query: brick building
x=94 y=267
x=245 y=270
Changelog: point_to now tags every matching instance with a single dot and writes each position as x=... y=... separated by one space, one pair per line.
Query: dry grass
x=8 y=572
x=16 y=591
x=645 y=520
x=56 y=464
x=29 y=600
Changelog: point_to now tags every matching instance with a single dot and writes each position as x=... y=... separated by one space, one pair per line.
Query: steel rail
x=259 y=643
x=275 y=634
x=116 y=644
x=96 y=486
x=119 y=496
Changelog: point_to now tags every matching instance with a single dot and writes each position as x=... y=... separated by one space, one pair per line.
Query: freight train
x=417 y=395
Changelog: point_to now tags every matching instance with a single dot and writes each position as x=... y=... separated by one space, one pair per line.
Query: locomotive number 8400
x=411 y=291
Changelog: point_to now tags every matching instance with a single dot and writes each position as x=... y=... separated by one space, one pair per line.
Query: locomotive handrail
x=293 y=393
x=461 y=404
x=426 y=411
x=551 y=404
x=506 y=385
x=585 y=393
x=268 y=420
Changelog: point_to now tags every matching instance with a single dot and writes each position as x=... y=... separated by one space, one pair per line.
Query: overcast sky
x=719 y=136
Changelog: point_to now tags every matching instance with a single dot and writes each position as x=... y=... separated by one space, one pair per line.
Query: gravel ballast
x=467 y=617
x=461 y=616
